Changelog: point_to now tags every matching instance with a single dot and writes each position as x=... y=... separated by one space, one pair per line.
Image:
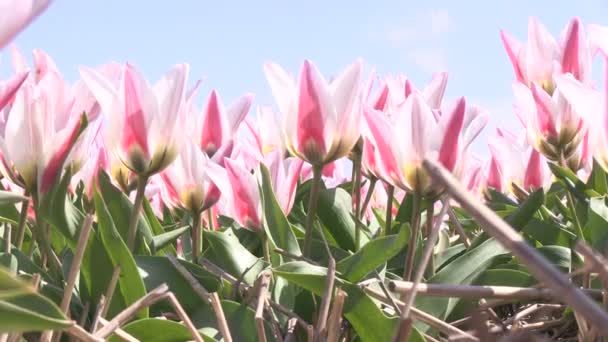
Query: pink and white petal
x=513 y=48
x=237 y=111
x=283 y=86
x=434 y=91
x=541 y=51
x=9 y=88
x=16 y=15
x=449 y=151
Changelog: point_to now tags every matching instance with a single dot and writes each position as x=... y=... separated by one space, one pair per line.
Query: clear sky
x=227 y=42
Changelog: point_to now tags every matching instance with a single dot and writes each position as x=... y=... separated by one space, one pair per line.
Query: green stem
x=411 y=248
x=137 y=205
x=368 y=196
x=197 y=236
x=571 y=205
x=430 y=213
x=22 y=221
x=265 y=246
x=210 y=218
x=7 y=238
x=357 y=191
x=388 y=223
x=312 y=207
x=42 y=239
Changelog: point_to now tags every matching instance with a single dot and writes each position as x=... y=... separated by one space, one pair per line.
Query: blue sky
x=227 y=42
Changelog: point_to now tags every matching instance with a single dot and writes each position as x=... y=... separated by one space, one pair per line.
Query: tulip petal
x=9 y=88
x=245 y=195
x=434 y=91
x=283 y=86
x=16 y=15
x=570 y=59
x=449 y=150
x=513 y=48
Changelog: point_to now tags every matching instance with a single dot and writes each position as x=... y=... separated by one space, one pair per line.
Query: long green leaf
x=276 y=225
x=22 y=309
x=158 y=330
x=372 y=255
x=130 y=285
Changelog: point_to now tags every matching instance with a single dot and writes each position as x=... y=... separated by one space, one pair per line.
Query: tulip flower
x=413 y=133
x=145 y=123
x=186 y=182
x=218 y=124
x=266 y=132
x=543 y=56
x=400 y=88
x=16 y=15
x=321 y=118
x=516 y=165
x=40 y=133
x=591 y=104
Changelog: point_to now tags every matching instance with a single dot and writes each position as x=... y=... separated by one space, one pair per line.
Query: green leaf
x=59 y=211
x=157 y=229
x=130 y=285
x=229 y=254
x=505 y=277
x=526 y=210
x=120 y=208
x=276 y=225
x=462 y=270
x=597 y=224
x=558 y=255
x=597 y=180
x=158 y=330
x=367 y=319
x=156 y=270
x=549 y=233
x=576 y=186
x=240 y=319
x=372 y=255
x=160 y=241
x=22 y=309
x=334 y=211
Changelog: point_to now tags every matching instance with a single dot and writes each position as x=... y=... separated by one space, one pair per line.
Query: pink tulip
x=40 y=133
x=9 y=88
x=146 y=123
x=16 y=15
x=413 y=132
x=400 y=88
x=218 y=124
x=186 y=182
x=266 y=132
x=542 y=56
x=332 y=174
x=284 y=174
x=321 y=119
x=514 y=162
x=591 y=104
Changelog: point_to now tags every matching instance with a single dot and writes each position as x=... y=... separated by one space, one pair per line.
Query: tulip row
x=153 y=139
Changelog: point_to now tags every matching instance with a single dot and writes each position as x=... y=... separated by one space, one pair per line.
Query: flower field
x=353 y=208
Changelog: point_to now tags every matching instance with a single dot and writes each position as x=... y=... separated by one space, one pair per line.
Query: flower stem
x=577 y=224
x=357 y=193
x=41 y=236
x=265 y=246
x=368 y=196
x=389 y=210
x=312 y=207
x=22 y=221
x=197 y=236
x=210 y=218
x=137 y=205
x=411 y=247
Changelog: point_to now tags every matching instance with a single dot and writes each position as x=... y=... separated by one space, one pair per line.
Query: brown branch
x=540 y=267
x=85 y=231
x=81 y=334
x=424 y=317
x=145 y=301
x=335 y=318
x=119 y=332
x=405 y=326
x=205 y=296
x=479 y=291
x=264 y=283
x=184 y=317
